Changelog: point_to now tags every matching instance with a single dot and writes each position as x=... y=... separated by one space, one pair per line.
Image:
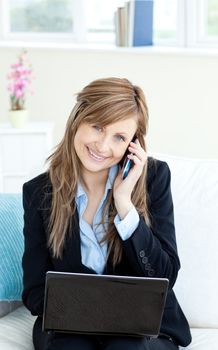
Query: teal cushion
x=11 y=246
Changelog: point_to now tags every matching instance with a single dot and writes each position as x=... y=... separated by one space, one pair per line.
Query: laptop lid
x=103 y=304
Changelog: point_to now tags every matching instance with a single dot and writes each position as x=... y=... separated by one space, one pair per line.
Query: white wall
x=181 y=91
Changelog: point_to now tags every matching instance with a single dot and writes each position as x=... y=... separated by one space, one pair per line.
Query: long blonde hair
x=103 y=101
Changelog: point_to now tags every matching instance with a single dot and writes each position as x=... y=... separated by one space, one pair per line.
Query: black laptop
x=103 y=304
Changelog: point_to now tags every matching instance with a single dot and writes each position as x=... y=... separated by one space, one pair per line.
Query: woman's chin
x=94 y=167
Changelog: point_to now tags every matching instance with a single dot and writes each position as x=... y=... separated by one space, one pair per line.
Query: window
x=212 y=18
x=208 y=22
x=40 y=16
x=39 y=19
x=165 y=21
x=99 y=19
x=176 y=22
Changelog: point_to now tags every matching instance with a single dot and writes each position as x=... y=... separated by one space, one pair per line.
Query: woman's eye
x=120 y=138
x=98 y=128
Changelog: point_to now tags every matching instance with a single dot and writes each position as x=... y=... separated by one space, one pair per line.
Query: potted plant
x=20 y=79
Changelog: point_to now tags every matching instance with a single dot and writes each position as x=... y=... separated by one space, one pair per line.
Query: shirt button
x=142 y=253
x=145 y=260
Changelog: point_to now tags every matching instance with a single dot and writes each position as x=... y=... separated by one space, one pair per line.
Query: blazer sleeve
x=152 y=250
x=36 y=258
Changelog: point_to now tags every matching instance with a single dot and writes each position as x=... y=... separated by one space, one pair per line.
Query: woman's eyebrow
x=122 y=133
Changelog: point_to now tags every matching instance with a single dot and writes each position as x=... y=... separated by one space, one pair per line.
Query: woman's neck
x=94 y=182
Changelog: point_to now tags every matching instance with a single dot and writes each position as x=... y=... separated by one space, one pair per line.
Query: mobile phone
x=127 y=163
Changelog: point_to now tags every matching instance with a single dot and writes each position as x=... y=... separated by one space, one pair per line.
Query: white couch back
x=195 y=195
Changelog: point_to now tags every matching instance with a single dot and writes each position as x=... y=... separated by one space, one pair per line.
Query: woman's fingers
x=137 y=151
x=136 y=159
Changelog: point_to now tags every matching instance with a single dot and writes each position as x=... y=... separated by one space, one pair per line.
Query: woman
x=82 y=216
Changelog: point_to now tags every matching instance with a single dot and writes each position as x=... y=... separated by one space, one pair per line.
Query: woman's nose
x=103 y=145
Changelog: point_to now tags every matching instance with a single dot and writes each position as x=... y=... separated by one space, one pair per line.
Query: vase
x=18 y=118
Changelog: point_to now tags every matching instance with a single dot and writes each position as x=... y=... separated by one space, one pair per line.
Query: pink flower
x=18 y=93
x=15 y=65
x=20 y=78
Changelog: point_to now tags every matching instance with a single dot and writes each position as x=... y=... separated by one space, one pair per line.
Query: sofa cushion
x=203 y=339
x=195 y=195
x=16 y=333
x=11 y=246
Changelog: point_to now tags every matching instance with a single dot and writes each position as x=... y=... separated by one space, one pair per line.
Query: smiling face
x=99 y=148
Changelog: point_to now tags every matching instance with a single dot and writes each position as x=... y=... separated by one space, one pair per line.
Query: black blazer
x=150 y=251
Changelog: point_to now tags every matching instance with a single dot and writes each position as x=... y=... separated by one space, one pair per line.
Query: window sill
x=93 y=47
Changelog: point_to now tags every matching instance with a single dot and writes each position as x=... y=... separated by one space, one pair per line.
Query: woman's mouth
x=94 y=156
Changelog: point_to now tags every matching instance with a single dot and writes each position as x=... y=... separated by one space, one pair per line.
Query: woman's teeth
x=94 y=156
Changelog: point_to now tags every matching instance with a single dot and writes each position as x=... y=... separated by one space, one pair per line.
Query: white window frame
x=196 y=11
x=178 y=42
x=190 y=31
x=182 y=30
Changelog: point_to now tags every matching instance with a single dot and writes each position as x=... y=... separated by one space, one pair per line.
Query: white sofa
x=195 y=194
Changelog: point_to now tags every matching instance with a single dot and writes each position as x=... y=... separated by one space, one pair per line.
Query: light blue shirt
x=93 y=253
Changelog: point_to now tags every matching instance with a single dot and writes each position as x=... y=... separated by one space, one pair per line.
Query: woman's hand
x=122 y=189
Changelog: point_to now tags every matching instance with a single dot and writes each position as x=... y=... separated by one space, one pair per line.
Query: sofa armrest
x=16 y=330
x=8 y=306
